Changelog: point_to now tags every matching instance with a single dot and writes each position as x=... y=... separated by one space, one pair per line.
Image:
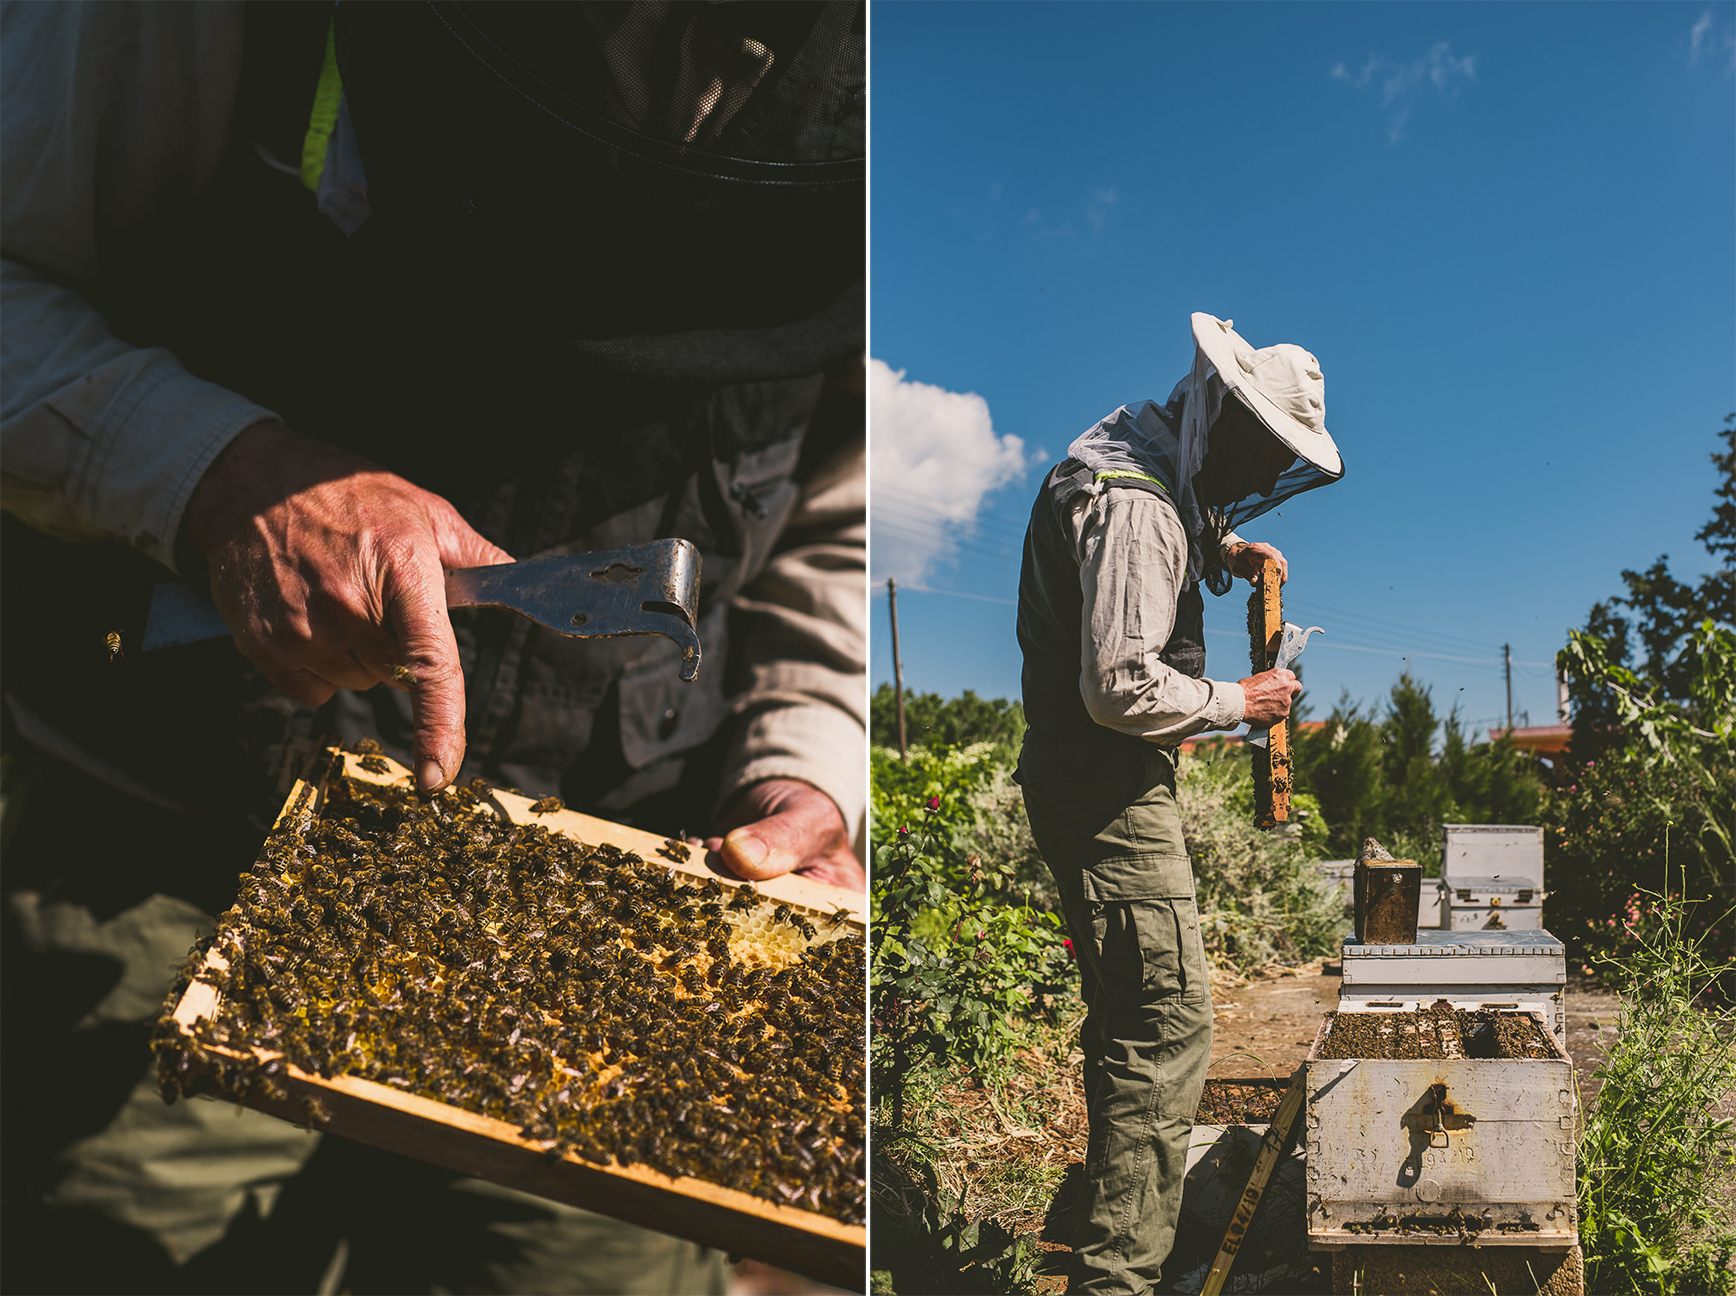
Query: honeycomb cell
x=605 y=1005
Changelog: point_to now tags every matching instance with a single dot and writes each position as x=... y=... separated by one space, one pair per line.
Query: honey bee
x=112 y=641
x=557 y=986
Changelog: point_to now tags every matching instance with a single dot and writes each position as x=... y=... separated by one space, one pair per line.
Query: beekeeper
x=316 y=301
x=1123 y=534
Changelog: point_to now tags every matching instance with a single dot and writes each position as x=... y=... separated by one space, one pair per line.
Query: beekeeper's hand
x=784 y=826
x=329 y=571
x=1247 y=559
x=1269 y=695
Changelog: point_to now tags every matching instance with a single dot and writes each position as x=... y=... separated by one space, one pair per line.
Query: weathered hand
x=330 y=573
x=782 y=826
x=1269 y=695
x=1247 y=560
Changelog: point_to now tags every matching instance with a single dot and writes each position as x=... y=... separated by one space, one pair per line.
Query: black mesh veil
x=1168 y=443
x=1220 y=521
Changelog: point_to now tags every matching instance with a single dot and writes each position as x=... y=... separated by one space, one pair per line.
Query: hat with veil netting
x=1284 y=387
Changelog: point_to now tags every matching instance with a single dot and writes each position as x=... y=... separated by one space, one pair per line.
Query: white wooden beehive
x=1440 y=1151
x=1491 y=904
x=1503 y=970
x=1507 y=852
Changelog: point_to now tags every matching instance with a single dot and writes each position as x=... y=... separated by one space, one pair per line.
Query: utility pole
x=1507 y=659
x=897 y=665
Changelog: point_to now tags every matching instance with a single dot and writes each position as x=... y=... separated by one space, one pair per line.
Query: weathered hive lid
x=1462 y=944
x=1499 y=884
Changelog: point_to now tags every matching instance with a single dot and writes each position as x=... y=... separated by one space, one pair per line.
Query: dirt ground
x=1025 y=1151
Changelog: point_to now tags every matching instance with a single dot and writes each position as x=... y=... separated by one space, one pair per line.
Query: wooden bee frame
x=448 y=1136
x=1274 y=775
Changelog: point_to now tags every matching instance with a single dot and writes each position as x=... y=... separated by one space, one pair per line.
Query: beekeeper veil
x=1282 y=385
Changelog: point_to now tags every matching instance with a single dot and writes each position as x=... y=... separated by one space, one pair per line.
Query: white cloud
x=1704 y=39
x=1697 y=36
x=935 y=455
x=1400 y=81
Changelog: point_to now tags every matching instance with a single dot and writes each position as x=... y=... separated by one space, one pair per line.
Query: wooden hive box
x=1449 y=1151
x=469 y=1143
x=1516 y=970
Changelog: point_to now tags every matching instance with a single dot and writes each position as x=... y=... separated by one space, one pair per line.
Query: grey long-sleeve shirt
x=112 y=112
x=1132 y=554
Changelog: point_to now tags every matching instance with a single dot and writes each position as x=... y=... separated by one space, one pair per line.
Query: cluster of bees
x=606 y=1006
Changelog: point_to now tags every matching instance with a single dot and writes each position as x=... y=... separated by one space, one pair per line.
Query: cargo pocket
x=1144 y=927
x=1147 y=950
x=1173 y=955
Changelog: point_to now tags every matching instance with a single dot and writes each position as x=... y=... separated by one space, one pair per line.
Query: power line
x=963 y=540
x=980 y=598
x=1325 y=642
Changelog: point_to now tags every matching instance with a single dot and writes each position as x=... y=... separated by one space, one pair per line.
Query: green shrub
x=955 y=965
x=1004 y=835
x=900 y=791
x=1260 y=893
x=933 y=721
x=1665 y=791
x=1655 y=1157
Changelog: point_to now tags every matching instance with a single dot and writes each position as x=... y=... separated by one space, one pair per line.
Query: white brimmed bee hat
x=1282 y=384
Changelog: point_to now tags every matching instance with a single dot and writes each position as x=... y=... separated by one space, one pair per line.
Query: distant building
x=1546 y=742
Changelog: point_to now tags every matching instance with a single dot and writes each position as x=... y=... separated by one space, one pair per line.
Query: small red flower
x=934 y=803
x=1071 y=952
x=903 y=831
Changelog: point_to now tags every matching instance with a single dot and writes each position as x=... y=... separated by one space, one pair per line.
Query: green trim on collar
x=324 y=117
x=1128 y=472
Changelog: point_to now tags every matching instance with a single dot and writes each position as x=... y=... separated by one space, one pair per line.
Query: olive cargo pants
x=1114 y=843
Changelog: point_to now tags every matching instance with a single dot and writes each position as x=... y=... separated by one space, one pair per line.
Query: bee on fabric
x=112 y=641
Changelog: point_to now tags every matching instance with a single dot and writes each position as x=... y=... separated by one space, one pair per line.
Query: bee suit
x=1111 y=622
x=593 y=274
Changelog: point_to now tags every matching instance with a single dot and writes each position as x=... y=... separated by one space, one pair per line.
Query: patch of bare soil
x=1593 y=1013
x=1265 y=1027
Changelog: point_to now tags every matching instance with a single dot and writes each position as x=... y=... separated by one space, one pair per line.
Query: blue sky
x=1508 y=231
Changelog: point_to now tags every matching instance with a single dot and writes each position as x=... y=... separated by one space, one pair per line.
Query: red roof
x=1539 y=740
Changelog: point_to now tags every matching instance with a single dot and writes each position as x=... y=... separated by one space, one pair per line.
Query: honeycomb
x=607 y=1006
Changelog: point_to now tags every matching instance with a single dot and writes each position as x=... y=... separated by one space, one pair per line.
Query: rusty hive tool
x=650 y=588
